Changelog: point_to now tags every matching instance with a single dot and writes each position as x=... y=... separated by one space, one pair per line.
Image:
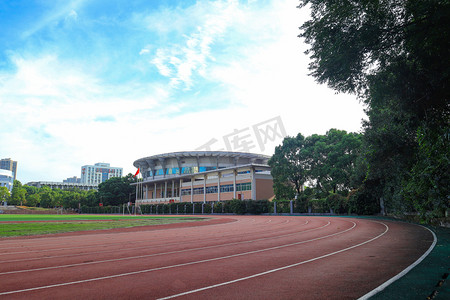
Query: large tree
x=326 y=162
x=394 y=55
x=290 y=164
x=116 y=190
x=18 y=194
x=4 y=194
x=333 y=159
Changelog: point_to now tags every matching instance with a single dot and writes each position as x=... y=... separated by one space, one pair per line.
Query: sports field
x=223 y=257
x=23 y=225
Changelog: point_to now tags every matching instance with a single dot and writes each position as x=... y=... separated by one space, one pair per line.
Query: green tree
x=71 y=198
x=46 y=196
x=394 y=56
x=31 y=189
x=116 y=190
x=326 y=162
x=334 y=158
x=4 y=194
x=290 y=167
x=92 y=198
x=18 y=194
x=33 y=200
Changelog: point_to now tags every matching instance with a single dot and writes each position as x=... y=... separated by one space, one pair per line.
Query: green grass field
x=71 y=223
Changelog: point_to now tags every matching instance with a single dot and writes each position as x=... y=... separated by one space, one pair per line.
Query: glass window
x=226 y=188
x=172 y=171
x=198 y=191
x=211 y=189
x=246 y=186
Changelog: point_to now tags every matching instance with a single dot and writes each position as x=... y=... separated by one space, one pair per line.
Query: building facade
x=6 y=179
x=8 y=164
x=98 y=173
x=63 y=185
x=73 y=179
x=203 y=176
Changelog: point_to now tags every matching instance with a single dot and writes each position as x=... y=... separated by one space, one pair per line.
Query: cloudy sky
x=112 y=81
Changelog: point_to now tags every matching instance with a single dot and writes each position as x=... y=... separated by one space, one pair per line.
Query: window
x=171 y=171
x=189 y=170
x=246 y=186
x=211 y=189
x=226 y=188
x=198 y=191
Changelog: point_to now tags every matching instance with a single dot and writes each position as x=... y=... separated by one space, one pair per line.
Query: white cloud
x=65 y=11
x=180 y=61
x=245 y=55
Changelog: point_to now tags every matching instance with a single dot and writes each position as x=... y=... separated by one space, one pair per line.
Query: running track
x=227 y=257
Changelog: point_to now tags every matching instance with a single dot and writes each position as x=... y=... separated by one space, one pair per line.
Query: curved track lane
x=237 y=257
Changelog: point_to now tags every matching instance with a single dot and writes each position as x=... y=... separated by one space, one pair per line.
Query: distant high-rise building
x=98 y=173
x=8 y=164
x=73 y=179
x=6 y=179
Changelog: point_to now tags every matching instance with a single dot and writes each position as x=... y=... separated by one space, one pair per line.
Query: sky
x=112 y=81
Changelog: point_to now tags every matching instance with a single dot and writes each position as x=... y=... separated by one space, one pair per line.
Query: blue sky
x=83 y=82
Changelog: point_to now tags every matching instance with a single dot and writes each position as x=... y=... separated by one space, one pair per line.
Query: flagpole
x=137 y=189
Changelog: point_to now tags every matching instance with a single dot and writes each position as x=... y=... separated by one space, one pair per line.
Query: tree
x=116 y=190
x=18 y=194
x=333 y=159
x=324 y=161
x=4 y=194
x=394 y=56
x=33 y=200
x=290 y=167
x=47 y=197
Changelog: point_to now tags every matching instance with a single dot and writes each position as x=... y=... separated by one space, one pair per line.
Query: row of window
x=240 y=187
x=184 y=170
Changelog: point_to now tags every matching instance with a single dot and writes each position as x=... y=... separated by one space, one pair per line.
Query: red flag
x=137 y=172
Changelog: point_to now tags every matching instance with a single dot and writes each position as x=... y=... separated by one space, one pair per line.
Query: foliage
x=4 y=194
x=18 y=194
x=235 y=206
x=326 y=162
x=394 y=56
x=117 y=190
x=289 y=167
x=427 y=188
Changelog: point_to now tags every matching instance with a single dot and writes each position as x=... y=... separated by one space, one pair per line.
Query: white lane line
x=172 y=266
x=158 y=254
x=116 y=250
x=402 y=273
x=275 y=270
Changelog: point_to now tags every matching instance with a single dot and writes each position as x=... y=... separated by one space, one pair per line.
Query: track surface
x=236 y=257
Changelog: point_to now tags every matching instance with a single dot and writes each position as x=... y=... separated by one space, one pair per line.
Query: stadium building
x=203 y=176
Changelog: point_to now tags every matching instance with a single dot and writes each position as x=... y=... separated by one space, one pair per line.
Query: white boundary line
x=402 y=273
x=180 y=265
x=277 y=269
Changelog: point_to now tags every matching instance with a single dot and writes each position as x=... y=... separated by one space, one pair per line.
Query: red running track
x=227 y=257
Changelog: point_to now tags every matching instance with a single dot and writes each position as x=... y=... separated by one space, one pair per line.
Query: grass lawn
x=70 y=223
